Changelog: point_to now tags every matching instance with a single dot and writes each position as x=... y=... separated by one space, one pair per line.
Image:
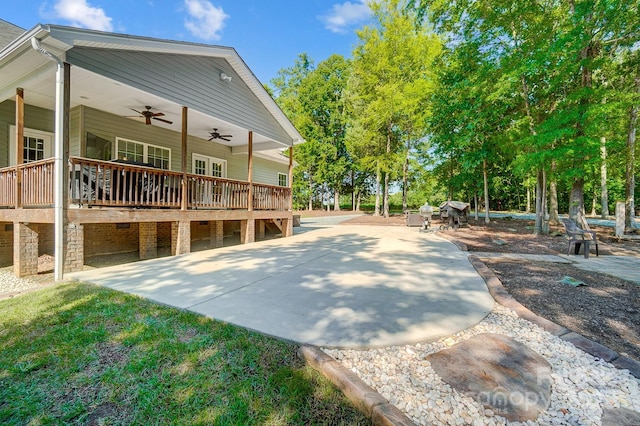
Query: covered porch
x=175 y=141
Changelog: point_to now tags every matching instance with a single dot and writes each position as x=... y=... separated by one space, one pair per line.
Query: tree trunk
x=358 y=199
x=310 y=191
x=604 y=192
x=475 y=204
x=486 y=190
x=353 y=190
x=336 y=200
x=541 y=195
x=630 y=184
x=576 y=199
x=545 y=205
x=328 y=195
x=386 y=196
x=378 y=178
x=528 y=199
x=385 y=203
x=554 y=219
x=405 y=180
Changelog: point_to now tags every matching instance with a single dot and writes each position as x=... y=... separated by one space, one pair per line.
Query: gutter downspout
x=58 y=187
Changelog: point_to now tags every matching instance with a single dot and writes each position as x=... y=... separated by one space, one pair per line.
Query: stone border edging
x=501 y=296
x=363 y=396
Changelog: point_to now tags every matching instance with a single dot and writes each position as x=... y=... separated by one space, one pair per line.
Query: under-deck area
x=115 y=208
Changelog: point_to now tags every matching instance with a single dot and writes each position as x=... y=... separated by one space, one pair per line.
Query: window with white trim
x=37 y=145
x=141 y=152
x=283 y=179
x=208 y=166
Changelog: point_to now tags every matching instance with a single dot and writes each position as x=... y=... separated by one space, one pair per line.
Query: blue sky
x=268 y=34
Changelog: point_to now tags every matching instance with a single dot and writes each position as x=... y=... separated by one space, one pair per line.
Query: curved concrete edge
x=500 y=294
x=362 y=396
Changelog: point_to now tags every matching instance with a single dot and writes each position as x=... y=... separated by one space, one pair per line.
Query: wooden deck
x=120 y=185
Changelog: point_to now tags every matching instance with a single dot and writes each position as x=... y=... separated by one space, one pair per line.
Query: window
x=33 y=149
x=98 y=148
x=37 y=145
x=143 y=153
x=283 y=179
x=209 y=166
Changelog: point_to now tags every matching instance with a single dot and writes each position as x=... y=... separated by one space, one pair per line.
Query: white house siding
x=192 y=81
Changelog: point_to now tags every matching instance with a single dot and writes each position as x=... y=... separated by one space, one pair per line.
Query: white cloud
x=205 y=20
x=81 y=14
x=345 y=15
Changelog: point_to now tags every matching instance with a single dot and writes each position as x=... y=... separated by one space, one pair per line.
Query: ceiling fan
x=148 y=115
x=216 y=135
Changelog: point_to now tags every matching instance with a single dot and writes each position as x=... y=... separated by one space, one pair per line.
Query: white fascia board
x=22 y=43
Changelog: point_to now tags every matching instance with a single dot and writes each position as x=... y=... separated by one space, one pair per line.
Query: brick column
x=261 y=229
x=25 y=253
x=216 y=236
x=74 y=256
x=247 y=231
x=148 y=240
x=6 y=244
x=287 y=227
x=180 y=237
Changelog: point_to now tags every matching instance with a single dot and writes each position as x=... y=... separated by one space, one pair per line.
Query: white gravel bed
x=9 y=283
x=581 y=384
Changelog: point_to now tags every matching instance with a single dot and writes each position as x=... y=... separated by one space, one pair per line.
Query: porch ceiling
x=99 y=92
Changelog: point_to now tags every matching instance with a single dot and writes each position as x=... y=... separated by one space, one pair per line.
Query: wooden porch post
x=19 y=143
x=291 y=177
x=184 y=203
x=250 y=172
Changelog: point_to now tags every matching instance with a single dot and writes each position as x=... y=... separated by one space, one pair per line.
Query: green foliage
x=313 y=98
x=391 y=80
x=438 y=93
x=525 y=84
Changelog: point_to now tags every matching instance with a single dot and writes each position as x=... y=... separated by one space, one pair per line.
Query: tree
x=322 y=100
x=557 y=56
x=285 y=89
x=390 y=83
x=313 y=99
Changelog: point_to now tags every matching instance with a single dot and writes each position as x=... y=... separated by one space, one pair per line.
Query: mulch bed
x=606 y=310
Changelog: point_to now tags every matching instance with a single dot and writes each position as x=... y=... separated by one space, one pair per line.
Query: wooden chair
x=578 y=236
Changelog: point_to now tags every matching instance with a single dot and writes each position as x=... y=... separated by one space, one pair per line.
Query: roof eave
x=68 y=37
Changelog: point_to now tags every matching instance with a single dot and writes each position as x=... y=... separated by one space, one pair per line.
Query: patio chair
x=578 y=236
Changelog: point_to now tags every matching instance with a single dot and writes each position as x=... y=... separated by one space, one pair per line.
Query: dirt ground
x=606 y=310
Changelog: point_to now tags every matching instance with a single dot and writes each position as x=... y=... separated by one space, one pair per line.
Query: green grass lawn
x=80 y=354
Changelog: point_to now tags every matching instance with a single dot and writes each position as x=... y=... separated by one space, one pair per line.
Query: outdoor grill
x=422 y=218
x=455 y=213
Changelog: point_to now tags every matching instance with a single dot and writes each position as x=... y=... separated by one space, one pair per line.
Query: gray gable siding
x=8 y=33
x=192 y=81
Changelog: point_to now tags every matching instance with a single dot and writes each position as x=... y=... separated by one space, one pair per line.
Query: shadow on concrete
x=335 y=287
